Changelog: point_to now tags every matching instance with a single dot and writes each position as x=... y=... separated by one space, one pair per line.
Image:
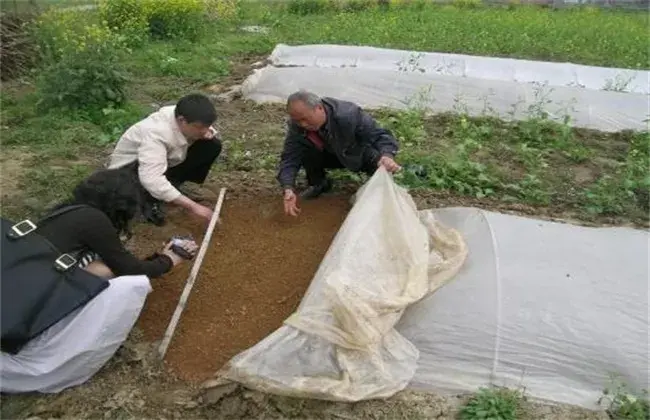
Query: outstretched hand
x=389 y=164
x=291 y=203
x=202 y=212
x=189 y=246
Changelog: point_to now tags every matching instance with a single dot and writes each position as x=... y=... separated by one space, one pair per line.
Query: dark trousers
x=195 y=168
x=316 y=163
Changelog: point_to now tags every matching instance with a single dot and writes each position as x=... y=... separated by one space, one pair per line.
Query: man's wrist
x=186 y=202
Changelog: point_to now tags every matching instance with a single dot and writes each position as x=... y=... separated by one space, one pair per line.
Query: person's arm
x=290 y=158
x=381 y=140
x=152 y=165
x=152 y=158
x=99 y=235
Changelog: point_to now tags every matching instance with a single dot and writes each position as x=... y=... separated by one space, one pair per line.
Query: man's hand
x=210 y=133
x=202 y=211
x=389 y=164
x=291 y=203
x=194 y=207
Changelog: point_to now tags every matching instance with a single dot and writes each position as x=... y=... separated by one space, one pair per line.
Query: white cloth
x=157 y=143
x=75 y=348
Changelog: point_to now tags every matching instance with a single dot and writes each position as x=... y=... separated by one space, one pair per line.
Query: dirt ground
x=229 y=311
x=252 y=278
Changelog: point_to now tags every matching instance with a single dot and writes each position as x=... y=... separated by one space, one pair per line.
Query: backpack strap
x=65 y=261
x=26 y=227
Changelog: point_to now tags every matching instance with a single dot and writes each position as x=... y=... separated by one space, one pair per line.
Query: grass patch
x=54 y=183
x=493 y=404
x=534 y=162
x=582 y=35
x=22 y=123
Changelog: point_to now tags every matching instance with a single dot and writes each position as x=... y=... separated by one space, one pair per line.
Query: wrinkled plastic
x=606 y=99
x=554 y=308
x=71 y=351
x=341 y=343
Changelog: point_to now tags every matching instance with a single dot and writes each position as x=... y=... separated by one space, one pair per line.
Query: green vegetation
x=585 y=35
x=92 y=73
x=622 y=404
x=81 y=77
x=493 y=404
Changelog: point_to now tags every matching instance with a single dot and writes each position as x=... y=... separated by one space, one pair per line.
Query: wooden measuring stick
x=162 y=349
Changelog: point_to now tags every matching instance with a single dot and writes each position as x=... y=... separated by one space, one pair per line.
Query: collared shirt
x=319 y=138
x=156 y=143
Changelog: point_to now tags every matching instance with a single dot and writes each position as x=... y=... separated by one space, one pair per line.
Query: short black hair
x=196 y=107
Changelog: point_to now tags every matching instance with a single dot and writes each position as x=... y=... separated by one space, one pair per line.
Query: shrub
x=84 y=68
x=359 y=5
x=160 y=19
x=307 y=7
x=221 y=9
x=175 y=18
x=128 y=17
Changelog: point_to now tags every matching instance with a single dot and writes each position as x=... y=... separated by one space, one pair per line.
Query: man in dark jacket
x=327 y=133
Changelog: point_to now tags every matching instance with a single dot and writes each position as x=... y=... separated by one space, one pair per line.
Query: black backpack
x=39 y=285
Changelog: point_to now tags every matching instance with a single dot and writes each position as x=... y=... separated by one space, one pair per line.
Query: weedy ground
x=533 y=167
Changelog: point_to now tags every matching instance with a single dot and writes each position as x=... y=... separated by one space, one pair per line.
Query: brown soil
x=259 y=265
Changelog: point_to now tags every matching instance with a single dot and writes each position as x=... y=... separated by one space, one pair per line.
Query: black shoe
x=315 y=191
x=156 y=214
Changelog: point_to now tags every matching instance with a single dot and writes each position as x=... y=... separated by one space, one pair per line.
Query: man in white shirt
x=173 y=145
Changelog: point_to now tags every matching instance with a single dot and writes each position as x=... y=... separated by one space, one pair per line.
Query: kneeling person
x=173 y=145
x=327 y=133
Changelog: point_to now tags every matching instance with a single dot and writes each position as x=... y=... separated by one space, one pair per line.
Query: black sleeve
x=291 y=157
x=381 y=140
x=100 y=236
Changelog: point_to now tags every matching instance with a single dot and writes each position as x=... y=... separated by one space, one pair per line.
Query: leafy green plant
x=91 y=77
x=494 y=404
x=358 y=5
x=221 y=9
x=83 y=62
x=160 y=19
x=623 y=404
x=175 y=18
x=407 y=126
x=128 y=17
x=308 y=7
x=114 y=121
x=628 y=187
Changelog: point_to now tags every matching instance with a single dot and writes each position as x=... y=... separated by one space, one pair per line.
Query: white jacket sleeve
x=152 y=157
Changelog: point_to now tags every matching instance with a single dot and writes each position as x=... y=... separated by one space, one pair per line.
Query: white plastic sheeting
x=555 y=308
x=551 y=307
x=75 y=348
x=377 y=77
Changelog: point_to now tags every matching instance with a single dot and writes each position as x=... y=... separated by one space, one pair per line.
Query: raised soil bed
x=254 y=274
